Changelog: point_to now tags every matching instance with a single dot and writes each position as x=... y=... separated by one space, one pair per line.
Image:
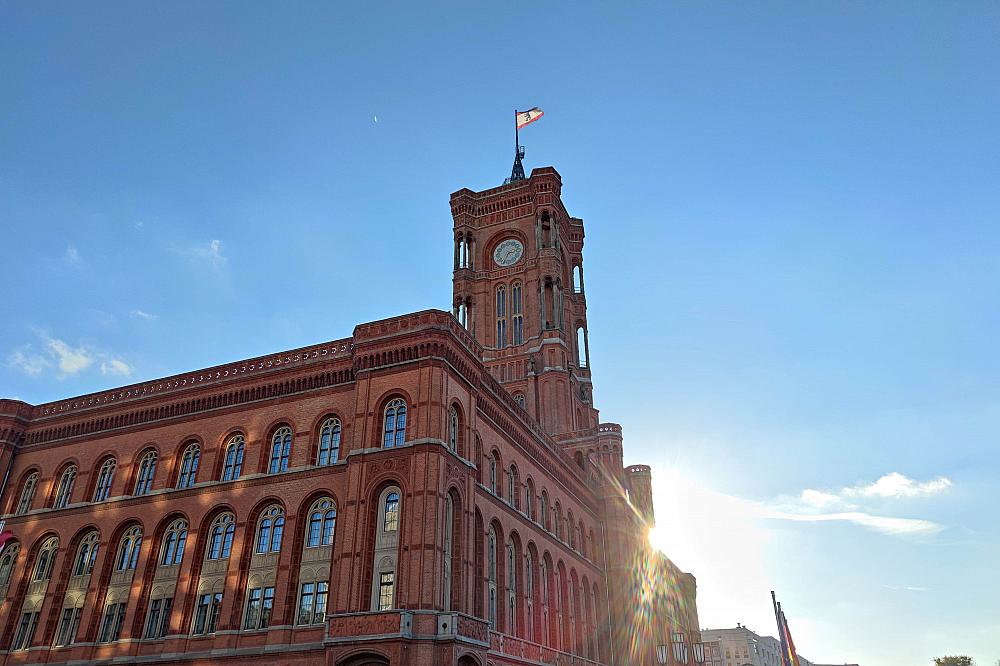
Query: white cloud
x=140 y=314
x=64 y=358
x=72 y=256
x=70 y=360
x=27 y=362
x=895 y=484
x=116 y=366
x=818 y=498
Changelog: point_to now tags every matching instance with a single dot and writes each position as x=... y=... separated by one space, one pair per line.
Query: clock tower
x=518 y=288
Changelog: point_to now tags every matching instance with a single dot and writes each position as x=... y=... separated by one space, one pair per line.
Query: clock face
x=508 y=252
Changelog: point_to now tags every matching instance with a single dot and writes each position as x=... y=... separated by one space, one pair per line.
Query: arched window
x=104 y=479
x=577 y=279
x=511 y=590
x=270 y=529
x=385 y=558
x=513 y=493
x=394 y=433
x=27 y=494
x=519 y=399
x=491 y=576
x=494 y=463
x=571 y=529
x=517 y=313
x=329 y=442
x=453 y=429
x=7 y=559
x=558 y=521
x=281 y=449
x=529 y=596
x=390 y=522
x=147 y=469
x=189 y=466
x=529 y=499
x=220 y=540
x=501 y=316
x=322 y=522
x=462 y=314
x=46 y=559
x=128 y=549
x=582 y=350
x=234 y=458
x=173 y=543
x=543 y=510
x=449 y=528
x=86 y=555
x=543 y=578
x=65 y=491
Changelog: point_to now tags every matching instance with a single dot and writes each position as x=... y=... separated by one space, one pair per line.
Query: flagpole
x=517 y=141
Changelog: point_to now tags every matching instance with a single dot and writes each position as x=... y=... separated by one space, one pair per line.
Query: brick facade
x=446 y=487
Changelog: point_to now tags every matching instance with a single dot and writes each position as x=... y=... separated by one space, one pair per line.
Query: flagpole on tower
x=516 y=173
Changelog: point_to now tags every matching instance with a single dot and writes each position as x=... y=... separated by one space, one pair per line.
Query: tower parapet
x=640 y=491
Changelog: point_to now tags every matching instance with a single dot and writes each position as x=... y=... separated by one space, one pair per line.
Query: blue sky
x=792 y=230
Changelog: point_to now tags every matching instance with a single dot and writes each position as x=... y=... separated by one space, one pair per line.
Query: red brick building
x=435 y=489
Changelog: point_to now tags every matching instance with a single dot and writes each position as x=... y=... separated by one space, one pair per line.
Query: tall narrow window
x=453 y=429
x=529 y=596
x=65 y=491
x=578 y=279
x=391 y=520
x=147 y=469
x=395 y=424
x=322 y=522
x=501 y=316
x=234 y=458
x=329 y=442
x=189 y=466
x=27 y=494
x=493 y=473
x=512 y=483
x=449 y=521
x=270 y=529
x=221 y=537
x=281 y=449
x=543 y=510
x=86 y=555
x=491 y=575
x=529 y=499
x=511 y=590
x=582 y=352
x=517 y=313
x=386 y=588
x=173 y=543
x=128 y=549
x=104 y=479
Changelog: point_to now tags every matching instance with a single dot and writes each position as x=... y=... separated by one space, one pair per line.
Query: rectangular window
x=322 y=592
x=158 y=621
x=387 y=582
x=68 y=626
x=306 y=602
x=25 y=631
x=111 y=626
x=207 y=614
x=252 y=613
x=267 y=607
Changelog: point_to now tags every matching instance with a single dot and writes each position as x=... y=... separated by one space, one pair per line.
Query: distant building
x=741 y=647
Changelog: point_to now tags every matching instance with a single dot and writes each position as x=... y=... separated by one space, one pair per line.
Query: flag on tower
x=529 y=116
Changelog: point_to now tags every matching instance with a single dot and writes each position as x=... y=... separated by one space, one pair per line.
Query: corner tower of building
x=518 y=288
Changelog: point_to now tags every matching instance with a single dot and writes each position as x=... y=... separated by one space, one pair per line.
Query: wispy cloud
x=846 y=504
x=116 y=366
x=65 y=359
x=210 y=254
x=71 y=257
x=141 y=314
